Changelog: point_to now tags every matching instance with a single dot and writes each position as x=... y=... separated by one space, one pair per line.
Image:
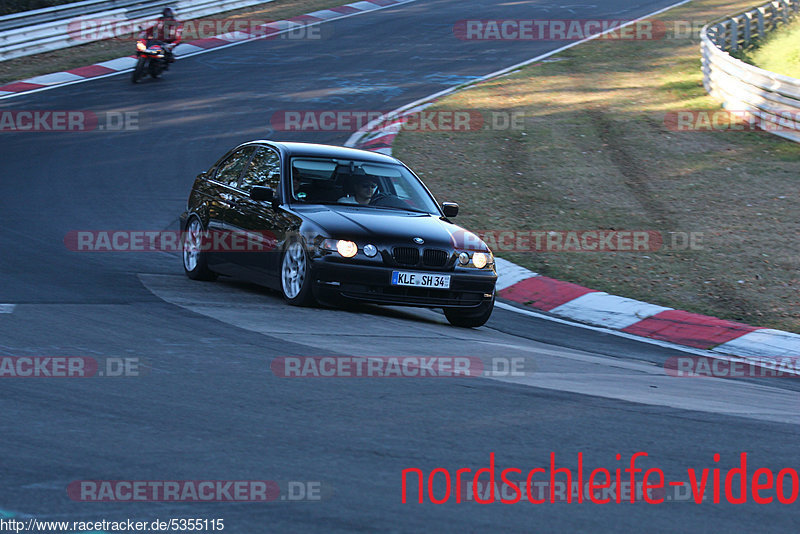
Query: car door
x=223 y=184
x=259 y=221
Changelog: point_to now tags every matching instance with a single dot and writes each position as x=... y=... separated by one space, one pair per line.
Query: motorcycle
x=152 y=59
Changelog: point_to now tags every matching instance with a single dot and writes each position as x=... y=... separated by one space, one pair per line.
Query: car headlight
x=346 y=249
x=480 y=259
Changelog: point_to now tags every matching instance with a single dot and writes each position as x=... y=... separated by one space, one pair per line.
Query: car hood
x=388 y=226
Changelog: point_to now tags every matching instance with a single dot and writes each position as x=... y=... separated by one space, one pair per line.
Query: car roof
x=328 y=151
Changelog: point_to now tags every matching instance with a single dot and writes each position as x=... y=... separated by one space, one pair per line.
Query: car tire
x=295 y=275
x=470 y=318
x=195 y=264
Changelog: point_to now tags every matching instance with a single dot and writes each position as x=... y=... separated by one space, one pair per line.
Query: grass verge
x=78 y=56
x=595 y=153
x=777 y=52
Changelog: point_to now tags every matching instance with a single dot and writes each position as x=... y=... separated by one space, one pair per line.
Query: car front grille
x=406 y=255
x=434 y=257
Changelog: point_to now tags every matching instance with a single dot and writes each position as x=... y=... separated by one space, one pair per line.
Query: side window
x=229 y=170
x=264 y=169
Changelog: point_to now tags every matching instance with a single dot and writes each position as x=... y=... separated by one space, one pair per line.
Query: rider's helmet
x=168 y=13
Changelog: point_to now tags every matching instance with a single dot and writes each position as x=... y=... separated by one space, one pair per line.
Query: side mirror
x=262 y=193
x=450 y=209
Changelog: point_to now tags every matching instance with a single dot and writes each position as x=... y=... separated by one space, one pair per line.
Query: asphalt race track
x=210 y=407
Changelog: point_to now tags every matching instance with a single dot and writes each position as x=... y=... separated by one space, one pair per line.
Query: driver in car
x=361 y=190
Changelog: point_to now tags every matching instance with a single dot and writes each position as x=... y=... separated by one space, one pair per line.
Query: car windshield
x=362 y=183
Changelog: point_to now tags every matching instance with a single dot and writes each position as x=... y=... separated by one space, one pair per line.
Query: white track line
x=353 y=138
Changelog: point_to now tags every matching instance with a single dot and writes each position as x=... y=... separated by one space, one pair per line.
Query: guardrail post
x=747 y=22
x=784 y=11
x=719 y=35
x=760 y=13
x=777 y=14
x=734 y=37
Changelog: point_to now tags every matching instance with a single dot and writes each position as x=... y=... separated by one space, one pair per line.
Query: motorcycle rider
x=167 y=29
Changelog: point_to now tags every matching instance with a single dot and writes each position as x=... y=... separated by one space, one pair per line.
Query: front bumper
x=372 y=283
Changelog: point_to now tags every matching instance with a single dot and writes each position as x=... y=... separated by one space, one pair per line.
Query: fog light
x=370 y=250
x=480 y=259
x=463 y=258
x=347 y=249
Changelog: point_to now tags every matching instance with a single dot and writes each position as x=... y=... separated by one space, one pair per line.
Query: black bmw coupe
x=334 y=225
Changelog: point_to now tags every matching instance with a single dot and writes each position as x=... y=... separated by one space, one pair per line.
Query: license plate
x=436 y=281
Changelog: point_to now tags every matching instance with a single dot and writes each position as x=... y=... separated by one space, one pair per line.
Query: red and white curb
x=637 y=318
x=199 y=46
x=627 y=317
x=378 y=136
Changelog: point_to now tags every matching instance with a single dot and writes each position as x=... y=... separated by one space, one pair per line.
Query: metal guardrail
x=772 y=100
x=45 y=30
x=49 y=14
